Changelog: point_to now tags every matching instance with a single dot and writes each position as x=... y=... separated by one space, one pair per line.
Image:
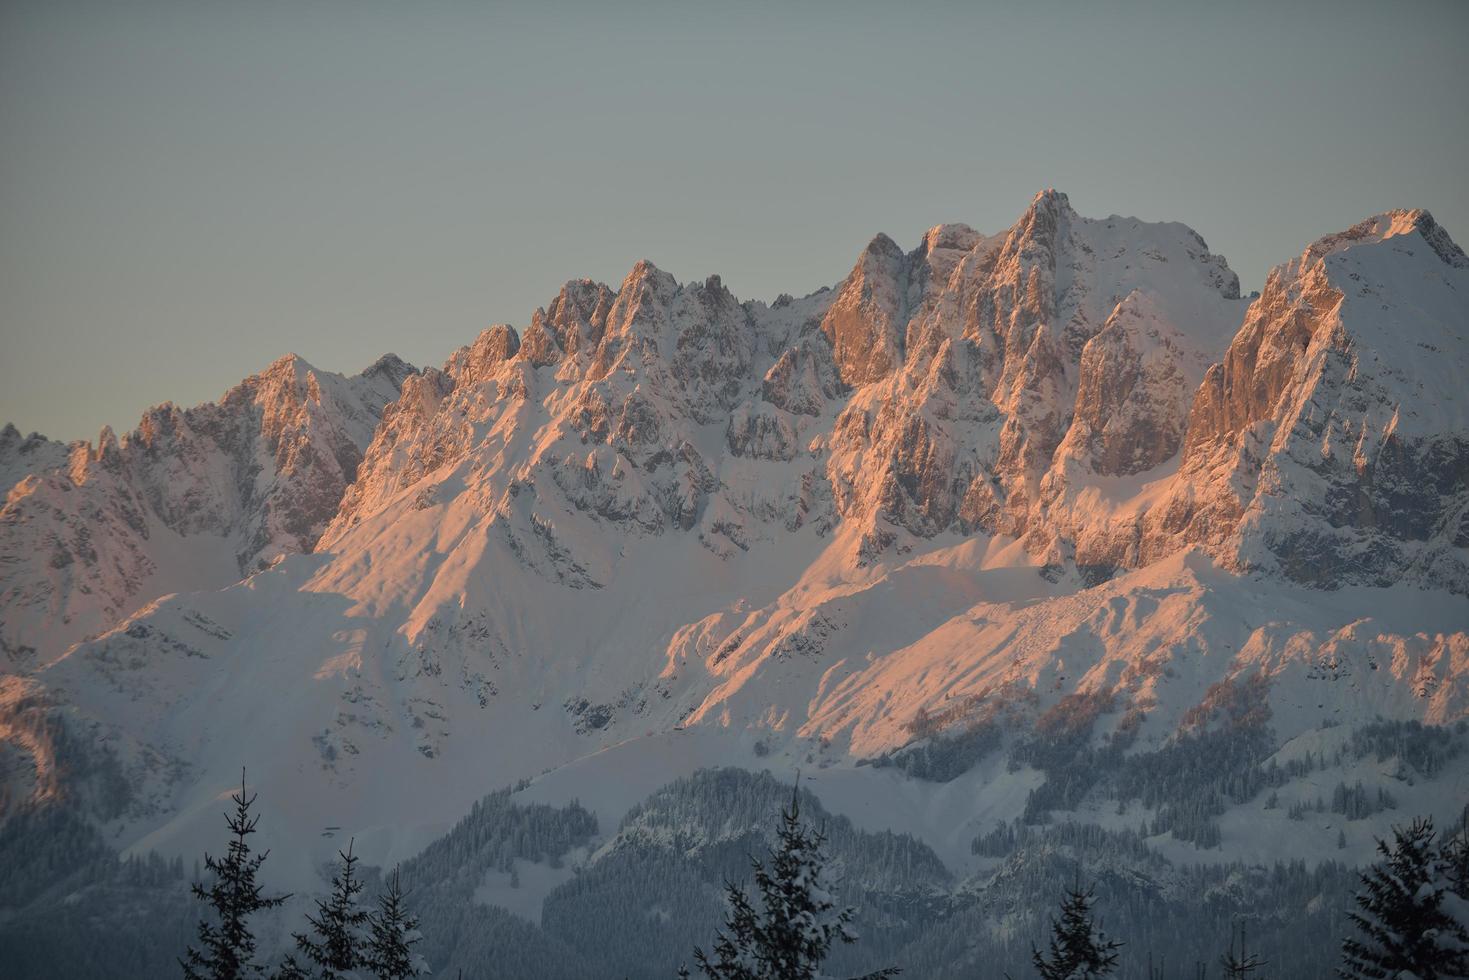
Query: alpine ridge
x=191 y=498
x=1063 y=480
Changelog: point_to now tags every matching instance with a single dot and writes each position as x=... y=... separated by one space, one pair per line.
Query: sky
x=190 y=189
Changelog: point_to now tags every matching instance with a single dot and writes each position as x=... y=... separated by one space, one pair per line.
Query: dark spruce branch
x=1405 y=919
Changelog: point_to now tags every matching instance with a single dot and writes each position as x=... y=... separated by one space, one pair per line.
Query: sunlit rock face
x=1063 y=349
x=864 y=322
x=1330 y=444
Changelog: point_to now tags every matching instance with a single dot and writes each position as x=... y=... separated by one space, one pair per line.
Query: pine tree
x=1079 y=950
x=339 y=926
x=1243 y=965
x=227 y=950
x=1403 y=925
x=792 y=933
x=394 y=932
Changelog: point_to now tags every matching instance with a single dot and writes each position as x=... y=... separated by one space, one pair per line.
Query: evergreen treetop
x=393 y=933
x=1078 y=949
x=337 y=947
x=227 y=950
x=792 y=933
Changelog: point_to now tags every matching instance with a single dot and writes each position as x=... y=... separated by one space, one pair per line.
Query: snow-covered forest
x=637 y=900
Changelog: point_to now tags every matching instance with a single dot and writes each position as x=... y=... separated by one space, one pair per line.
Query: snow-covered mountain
x=999 y=487
x=1331 y=445
x=191 y=498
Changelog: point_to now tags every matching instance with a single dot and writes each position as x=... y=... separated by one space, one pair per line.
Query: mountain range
x=1057 y=486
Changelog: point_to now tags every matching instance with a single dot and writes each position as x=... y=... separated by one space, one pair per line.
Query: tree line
x=1411 y=920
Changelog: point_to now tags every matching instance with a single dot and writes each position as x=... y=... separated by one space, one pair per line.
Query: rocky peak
x=12 y=442
x=1050 y=200
x=256 y=474
x=108 y=450
x=865 y=322
x=1307 y=307
x=22 y=455
x=1061 y=350
x=1043 y=221
x=540 y=346
x=391 y=369
x=481 y=359
x=578 y=314
x=156 y=426
x=632 y=318
x=1438 y=239
x=942 y=248
x=1330 y=443
x=645 y=283
x=953 y=236
x=1392 y=224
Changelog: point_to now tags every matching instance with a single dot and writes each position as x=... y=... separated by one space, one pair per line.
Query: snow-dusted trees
x=1425 y=749
x=1355 y=803
x=790 y=935
x=394 y=933
x=1078 y=950
x=1407 y=919
x=226 y=950
x=338 y=944
x=348 y=942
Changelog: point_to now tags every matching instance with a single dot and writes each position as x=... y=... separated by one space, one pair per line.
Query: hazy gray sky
x=188 y=190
